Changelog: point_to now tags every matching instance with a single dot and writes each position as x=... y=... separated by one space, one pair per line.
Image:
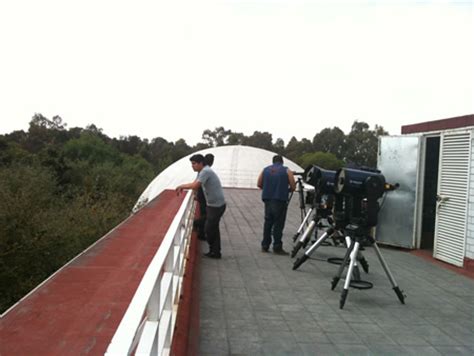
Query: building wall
x=470 y=220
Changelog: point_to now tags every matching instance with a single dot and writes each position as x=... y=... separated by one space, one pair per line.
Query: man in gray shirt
x=211 y=185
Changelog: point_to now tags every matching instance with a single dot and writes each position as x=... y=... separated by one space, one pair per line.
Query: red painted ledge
x=78 y=309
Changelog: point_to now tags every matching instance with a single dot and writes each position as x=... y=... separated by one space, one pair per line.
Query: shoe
x=264 y=249
x=280 y=252
x=213 y=255
x=202 y=238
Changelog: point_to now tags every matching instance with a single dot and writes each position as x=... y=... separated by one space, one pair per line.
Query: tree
x=160 y=155
x=216 y=137
x=296 y=149
x=131 y=145
x=362 y=144
x=90 y=148
x=180 y=149
x=260 y=140
x=330 y=140
x=235 y=138
x=279 y=146
x=324 y=160
x=44 y=132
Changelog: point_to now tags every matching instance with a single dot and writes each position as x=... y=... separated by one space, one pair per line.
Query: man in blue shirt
x=276 y=181
x=215 y=202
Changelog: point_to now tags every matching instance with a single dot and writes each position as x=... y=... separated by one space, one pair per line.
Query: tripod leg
x=303 y=224
x=363 y=262
x=303 y=213
x=308 y=238
x=312 y=248
x=356 y=273
x=335 y=238
x=306 y=234
x=337 y=277
x=347 y=282
x=356 y=267
x=397 y=290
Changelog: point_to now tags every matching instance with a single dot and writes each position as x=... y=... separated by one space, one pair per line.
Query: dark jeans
x=211 y=227
x=199 y=223
x=275 y=216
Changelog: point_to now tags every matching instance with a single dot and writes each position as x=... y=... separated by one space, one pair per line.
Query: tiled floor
x=253 y=303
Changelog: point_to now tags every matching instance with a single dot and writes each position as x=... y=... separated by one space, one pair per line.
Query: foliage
x=324 y=160
x=362 y=143
x=296 y=149
x=332 y=141
x=217 y=137
x=61 y=191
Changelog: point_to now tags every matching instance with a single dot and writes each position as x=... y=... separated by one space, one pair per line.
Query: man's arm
x=260 y=180
x=194 y=185
x=291 y=180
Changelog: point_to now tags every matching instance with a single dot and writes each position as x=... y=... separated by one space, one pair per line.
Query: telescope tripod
x=350 y=257
x=315 y=223
x=334 y=233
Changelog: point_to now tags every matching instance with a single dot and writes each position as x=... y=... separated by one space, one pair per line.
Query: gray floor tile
x=352 y=350
x=311 y=349
x=421 y=350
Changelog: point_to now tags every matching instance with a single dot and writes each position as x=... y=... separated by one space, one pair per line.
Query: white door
x=452 y=198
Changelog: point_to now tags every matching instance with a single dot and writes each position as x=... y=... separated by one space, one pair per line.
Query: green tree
x=44 y=132
x=235 y=138
x=260 y=140
x=27 y=249
x=91 y=148
x=296 y=149
x=217 y=137
x=362 y=144
x=160 y=154
x=330 y=140
x=179 y=150
x=279 y=146
x=324 y=160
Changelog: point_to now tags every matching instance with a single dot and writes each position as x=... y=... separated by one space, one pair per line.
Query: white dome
x=236 y=166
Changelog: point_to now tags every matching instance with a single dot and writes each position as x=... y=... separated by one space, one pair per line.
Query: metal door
x=399 y=217
x=452 y=198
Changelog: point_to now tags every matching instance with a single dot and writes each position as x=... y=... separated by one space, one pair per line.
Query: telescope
x=360 y=183
x=323 y=180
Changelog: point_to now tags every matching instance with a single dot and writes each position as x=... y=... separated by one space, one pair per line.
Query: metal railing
x=148 y=324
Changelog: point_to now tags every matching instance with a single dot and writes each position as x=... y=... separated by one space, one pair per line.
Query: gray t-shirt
x=211 y=185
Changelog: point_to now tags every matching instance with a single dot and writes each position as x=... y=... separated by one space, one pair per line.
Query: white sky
x=175 y=68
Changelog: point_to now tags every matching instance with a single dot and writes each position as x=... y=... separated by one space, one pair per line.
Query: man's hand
x=179 y=189
x=194 y=185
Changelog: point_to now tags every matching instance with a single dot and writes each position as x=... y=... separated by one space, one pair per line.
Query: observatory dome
x=236 y=166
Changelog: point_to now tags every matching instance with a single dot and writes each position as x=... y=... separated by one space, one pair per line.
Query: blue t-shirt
x=275 y=183
x=211 y=186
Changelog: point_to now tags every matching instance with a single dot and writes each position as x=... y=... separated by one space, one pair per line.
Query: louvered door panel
x=453 y=185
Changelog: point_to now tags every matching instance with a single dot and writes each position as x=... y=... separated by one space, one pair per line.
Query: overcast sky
x=175 y=68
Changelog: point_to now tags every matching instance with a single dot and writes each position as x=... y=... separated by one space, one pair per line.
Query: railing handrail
x=147 y=326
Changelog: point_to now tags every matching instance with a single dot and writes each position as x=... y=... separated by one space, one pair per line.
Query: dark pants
x=199 y=223
x=275 y=216
x=213 y=234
